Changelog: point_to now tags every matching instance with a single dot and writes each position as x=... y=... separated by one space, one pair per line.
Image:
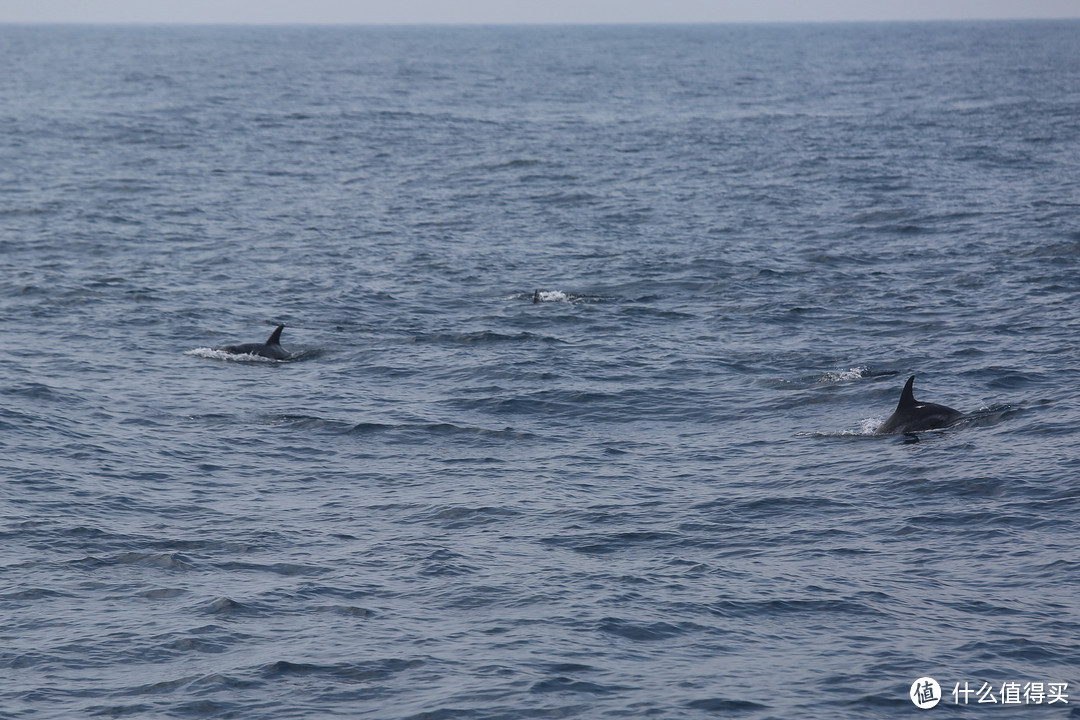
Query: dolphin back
x=912 y=416
x=270 y=349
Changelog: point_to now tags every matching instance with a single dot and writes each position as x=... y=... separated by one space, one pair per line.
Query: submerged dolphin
x=913 y=416
x=269 y=349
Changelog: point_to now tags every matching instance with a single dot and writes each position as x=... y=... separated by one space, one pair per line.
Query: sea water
x=653 y=492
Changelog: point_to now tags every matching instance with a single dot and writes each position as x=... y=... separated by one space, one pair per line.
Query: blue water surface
x=654 y=492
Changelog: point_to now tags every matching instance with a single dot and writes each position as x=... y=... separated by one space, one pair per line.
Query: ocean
x=590 y=331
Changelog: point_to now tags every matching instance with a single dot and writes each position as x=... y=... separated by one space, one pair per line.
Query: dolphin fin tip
x=907 y=397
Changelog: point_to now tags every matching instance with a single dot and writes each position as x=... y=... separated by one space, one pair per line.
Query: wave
x=215 y=354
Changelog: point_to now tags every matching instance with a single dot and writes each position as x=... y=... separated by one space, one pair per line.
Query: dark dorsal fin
x=907 y=397
x=275 y=337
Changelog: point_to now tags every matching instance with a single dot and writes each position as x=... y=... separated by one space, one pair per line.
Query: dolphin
x=270 y=349
x=912 y=416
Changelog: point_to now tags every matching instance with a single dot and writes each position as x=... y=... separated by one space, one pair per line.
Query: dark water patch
x=228 y=607
x=646 y=632
x=445 y=563
x=604 y=543
x=459 y=712
x=20 y=661
x=562 y=684
x=567 y=668
x=983 y=607
x=371 y=428
x=376 y=670
x=486 y=337
x=784 y=608
x=472 y=599
x=345 y=610
x=410 y=432
x=221 y=682
x=451 y=430
x=782 y=505
x=42 y=393
x=1037 y=653
x=164 y=687
x=561 y=199
x=725 y=706
x=166 y=561
x=1058 y=568
x=657 y=403
x=211 y=708
x=163 y=593
x=33 y=594
x=308 y=422
x=462 y=517
x=118 y=711
x=283 y=569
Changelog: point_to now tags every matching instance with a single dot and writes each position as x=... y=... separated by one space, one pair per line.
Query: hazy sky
x=523 y=11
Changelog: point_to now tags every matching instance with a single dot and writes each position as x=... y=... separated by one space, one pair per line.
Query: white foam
x=869 y=426
x=854 y=373
x=553 y=296
x=215 y=354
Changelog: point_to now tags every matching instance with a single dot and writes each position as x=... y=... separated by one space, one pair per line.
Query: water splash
x=550 y=296
x=835 y=376
x=215 y=354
